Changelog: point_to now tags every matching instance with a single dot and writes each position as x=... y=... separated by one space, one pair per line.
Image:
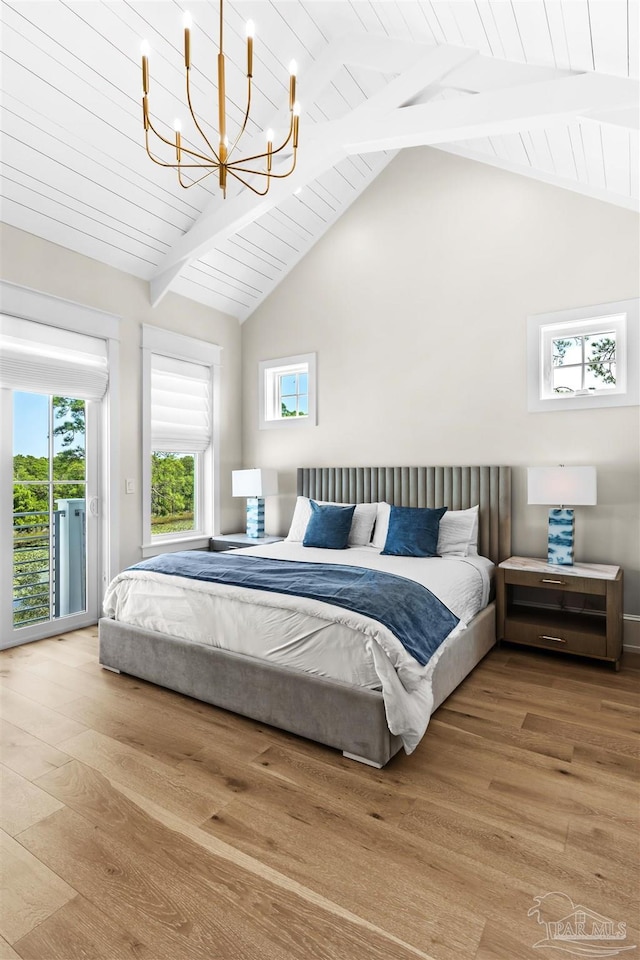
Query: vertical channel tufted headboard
x=455 y=487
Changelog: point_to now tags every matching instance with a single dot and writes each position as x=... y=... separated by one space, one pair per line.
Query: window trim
x=541 y=329
x=268 y=371
x=180 y=347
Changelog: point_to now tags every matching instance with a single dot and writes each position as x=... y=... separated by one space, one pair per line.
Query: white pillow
x=382 y=525
x=364 y=517
x=457 y=534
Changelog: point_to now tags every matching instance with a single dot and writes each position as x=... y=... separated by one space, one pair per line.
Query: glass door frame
x=10 y=635
x=20 y=301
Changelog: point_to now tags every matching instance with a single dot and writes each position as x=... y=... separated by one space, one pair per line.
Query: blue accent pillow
x=328 y=526
x=413 y=532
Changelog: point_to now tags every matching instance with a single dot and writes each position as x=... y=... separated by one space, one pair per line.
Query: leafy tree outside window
x=173 y=492
x=38 y=484
x=586 y=362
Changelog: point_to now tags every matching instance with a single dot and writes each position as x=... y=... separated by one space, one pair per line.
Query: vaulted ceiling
x=544 y=88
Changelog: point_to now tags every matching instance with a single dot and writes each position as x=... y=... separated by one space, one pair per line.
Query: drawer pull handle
x=556 y=639
x=561 y=583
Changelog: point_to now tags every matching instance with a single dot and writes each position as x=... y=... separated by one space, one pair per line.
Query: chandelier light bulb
x=187 y=20
x=251 y=29
x=177 y=126
x=145 y=49
x=293 y=68
x=269 y=135
x=296 y=108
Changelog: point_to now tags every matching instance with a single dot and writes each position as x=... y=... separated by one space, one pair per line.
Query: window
x=584 y=358
x=179 y=439
x=288 y=391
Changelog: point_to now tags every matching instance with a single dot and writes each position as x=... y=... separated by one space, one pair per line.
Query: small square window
x=287 y=391
x=584 y=358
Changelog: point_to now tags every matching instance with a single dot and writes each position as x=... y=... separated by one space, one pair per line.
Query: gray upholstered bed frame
x=350 y=718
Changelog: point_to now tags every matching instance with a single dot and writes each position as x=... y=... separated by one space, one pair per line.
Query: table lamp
x=562 y=485
x=255 y=485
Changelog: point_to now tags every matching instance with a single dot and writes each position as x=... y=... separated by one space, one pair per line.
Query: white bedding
x=306 y=634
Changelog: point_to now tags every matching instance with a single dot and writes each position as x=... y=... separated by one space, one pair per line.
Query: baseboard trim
x=631 y=633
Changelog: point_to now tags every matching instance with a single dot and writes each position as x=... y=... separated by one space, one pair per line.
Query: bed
x=349 y=710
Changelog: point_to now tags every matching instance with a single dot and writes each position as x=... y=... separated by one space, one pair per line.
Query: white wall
x=416 y=303
x=41 y=265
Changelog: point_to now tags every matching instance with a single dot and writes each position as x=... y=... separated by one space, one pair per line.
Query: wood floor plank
x=413 y=778
x=525 y=866
x=624 y=742
x=523 y=697
x=31 y=892
x=36 y=688
x=22 y=803
x=309 y=842
x=501 y=943
x=67 y=650
x=7 y=952
x=150 y=778
x=81 y=931
x=617 y=840
x=41 y=722
x=152 y=890
x=506 y=738
x=25 y=754
x=144 y=727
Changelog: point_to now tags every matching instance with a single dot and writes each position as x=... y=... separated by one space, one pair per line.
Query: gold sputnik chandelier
x=188 y=161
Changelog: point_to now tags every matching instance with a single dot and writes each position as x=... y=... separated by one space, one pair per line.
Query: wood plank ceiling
x=495 y=80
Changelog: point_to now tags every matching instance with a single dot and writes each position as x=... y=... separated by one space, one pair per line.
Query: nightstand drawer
x=556 y=638
x=556 y=581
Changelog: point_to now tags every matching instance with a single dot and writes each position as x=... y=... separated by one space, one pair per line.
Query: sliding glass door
x=54 y=462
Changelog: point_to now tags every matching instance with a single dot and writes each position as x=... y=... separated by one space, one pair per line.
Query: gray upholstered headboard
x=453 y=487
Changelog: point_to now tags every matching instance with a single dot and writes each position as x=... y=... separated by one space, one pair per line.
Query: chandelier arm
x=193 y=182
x=263 y=173
x=263 y=156
x=244 y=122
x=260 y=193
x=182 y=166
x=193 y=117
x=192 y=153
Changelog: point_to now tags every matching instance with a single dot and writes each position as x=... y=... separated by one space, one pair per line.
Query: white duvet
x=306 y=634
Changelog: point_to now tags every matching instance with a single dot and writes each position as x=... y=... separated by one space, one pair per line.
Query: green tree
x=172 y=491
x=603 y=354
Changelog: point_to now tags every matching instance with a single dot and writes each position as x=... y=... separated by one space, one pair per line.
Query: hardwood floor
x=137 y=823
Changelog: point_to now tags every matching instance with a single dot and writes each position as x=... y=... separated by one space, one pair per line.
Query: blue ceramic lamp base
x=255 y=517
x=561 y=536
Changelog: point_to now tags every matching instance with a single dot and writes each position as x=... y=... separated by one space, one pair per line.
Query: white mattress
x=308 y=635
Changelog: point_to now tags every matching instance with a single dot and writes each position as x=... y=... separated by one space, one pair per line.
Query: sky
x=30 y=424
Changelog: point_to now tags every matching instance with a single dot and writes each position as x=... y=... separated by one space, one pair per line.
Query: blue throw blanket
x=414 y=615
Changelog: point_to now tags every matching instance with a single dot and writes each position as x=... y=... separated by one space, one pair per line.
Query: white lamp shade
x=573 y=486
x=254 y=483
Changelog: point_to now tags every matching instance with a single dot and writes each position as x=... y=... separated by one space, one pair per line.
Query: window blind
x=180 y=405
x=39 y=358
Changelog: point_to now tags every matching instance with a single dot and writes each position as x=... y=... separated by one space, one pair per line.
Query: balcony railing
x=49 y=563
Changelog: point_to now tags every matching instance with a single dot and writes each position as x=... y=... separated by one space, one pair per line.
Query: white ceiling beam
x=485 y=114
x=628 y=117
x=487 y=73
x=318 y=153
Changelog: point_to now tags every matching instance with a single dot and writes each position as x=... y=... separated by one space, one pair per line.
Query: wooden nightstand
x=576 y=609
x=232 y=541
